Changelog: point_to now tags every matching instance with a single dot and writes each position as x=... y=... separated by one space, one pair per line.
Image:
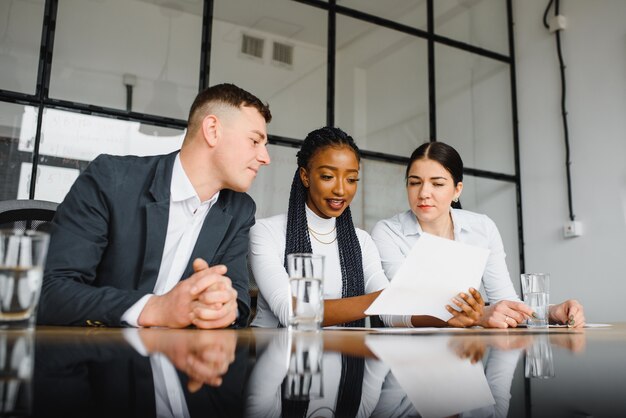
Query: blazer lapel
x=157 y=215
x=211 y=235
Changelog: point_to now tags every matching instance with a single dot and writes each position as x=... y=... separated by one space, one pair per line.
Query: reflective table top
x=85 y=372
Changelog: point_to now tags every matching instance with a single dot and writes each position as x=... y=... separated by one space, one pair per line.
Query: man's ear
x=304 y=177
x=211 y=129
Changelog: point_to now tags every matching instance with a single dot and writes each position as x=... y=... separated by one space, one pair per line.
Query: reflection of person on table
x=132 y=228
x=203 y=356
x=264 y=394
x=434 y=182
x=500 y=355
x=101 y=375
x=319 y=221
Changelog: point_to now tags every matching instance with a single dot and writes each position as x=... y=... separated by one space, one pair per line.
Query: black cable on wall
x=563 y=108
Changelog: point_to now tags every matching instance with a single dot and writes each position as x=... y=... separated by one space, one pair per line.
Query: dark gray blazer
x=108 y=236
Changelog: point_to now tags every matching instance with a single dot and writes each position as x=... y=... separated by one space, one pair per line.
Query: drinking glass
x=306 y=310
x=22 y=260
x=536 y=291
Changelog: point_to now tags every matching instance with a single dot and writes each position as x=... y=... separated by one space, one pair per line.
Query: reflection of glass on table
x=16 y=371
x=304 y=380
x=539 y=362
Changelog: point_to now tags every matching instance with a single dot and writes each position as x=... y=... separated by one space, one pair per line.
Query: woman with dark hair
x=319 y=221
x=434 y=182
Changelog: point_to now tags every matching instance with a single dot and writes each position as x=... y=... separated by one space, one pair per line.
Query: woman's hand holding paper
x=471 y=309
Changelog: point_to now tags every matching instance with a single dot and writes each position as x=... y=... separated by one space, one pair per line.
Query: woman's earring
x=456 y=200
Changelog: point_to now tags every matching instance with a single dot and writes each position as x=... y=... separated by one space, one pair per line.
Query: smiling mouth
x=335 y=203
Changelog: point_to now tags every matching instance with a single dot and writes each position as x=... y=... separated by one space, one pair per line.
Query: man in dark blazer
x=123 y=235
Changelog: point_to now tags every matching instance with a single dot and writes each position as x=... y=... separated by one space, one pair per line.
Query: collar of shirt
x=410 y=225
x=318 y=224
x=182 y=191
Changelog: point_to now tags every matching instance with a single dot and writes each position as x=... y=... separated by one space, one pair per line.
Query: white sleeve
x=373 y=379
x=496 y=279
x=391 y=254
x=375 y=280
x=131 y=315
x=266 y=261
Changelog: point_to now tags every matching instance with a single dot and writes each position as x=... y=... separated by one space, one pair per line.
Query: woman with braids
x=319 y=221
x=434 y=182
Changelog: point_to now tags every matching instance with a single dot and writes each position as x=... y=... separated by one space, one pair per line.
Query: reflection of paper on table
x=434 y=271
x=435 y=379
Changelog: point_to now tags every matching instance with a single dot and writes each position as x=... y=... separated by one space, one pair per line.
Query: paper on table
x=434 y=271
x=435 y=379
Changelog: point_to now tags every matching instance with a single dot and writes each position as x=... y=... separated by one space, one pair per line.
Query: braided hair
x=298 y=240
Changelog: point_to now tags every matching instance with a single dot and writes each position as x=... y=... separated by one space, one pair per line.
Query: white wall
x=591 y=268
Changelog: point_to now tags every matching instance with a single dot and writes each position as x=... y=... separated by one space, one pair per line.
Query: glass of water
x=536 y=290
x=22 y=260
x=306 y=276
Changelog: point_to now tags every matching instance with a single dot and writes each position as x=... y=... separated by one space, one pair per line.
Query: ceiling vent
x=252 y=46
x=282 y=54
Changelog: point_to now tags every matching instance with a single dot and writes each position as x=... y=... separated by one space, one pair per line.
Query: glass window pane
x=153 y=46
x=270 y=190
x=20 y=40
x=408 y=12
x=381 y=87
x=69 y=141
x=378 y=179
x=17 y=136
x=276 y=50
x=481 y=23
x=474 y=108
x=496 y=199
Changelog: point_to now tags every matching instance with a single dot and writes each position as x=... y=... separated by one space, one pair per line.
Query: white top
x=395 y=237
x=267 y=252
x=186 y=216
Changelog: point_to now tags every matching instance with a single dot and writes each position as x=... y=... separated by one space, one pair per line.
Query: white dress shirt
x=267 y=252
x=395 y=237
x=186 y=216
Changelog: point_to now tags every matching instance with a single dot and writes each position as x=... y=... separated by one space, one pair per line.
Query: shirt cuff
x=131 y=316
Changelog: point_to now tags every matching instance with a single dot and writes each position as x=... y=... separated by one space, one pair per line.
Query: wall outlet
x=572 y=229
x=558 y=22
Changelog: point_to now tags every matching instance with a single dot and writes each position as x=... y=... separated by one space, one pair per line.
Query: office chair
x=26 y=214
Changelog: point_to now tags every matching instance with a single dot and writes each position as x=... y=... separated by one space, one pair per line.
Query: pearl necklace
x=315 y=234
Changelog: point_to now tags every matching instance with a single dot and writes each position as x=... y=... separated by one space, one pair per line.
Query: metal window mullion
x=43 y=80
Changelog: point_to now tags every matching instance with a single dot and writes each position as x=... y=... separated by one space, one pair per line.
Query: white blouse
x=395 y=237
x=266 y=256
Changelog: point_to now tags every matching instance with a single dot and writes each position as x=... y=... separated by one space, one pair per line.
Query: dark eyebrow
x=330 y=167
x=432 y=178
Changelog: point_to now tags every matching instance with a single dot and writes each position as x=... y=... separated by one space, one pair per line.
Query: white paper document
x=434 y=271
x=437 y=381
